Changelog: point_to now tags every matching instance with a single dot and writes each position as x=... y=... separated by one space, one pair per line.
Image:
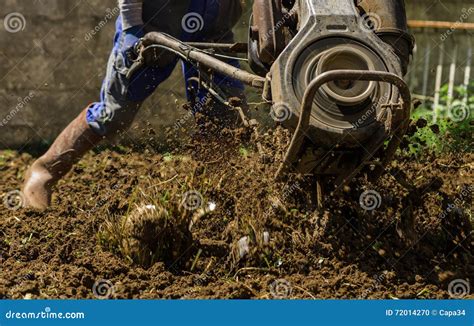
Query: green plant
x=448 y=128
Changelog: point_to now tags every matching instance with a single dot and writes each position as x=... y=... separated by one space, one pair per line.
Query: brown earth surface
x=119 y=228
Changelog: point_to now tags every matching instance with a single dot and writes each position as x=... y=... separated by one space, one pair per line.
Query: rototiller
x=332 y=71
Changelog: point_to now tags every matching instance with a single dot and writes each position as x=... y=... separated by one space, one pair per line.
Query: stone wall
x=52 y=65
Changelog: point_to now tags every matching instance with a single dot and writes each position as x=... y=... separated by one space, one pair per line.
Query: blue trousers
x=120 y=98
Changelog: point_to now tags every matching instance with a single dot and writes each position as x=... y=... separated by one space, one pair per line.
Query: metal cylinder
x=388 y=17
x=345 y=92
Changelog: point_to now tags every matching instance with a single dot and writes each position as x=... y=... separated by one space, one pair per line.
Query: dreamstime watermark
x=14 y=22
x=279 y=24
x=192 y=200
x=14 y=200
x=103 y=289
x=459 y=288
x=281 y=112
x=22 y=102
x=369 y=113
x=180 y=123
x=46 y=314
x=289 y=190
x=370 y=200
x=110 y=193
x=110 y=15
x=378 y=280
x=192 y=22
x=370 y=22
x=25 y=278
x=466 y=194
x=190 y=114
x=459 y=111
x=286 y=193
x=466 y=13
x=281 y=289
x=106 y=114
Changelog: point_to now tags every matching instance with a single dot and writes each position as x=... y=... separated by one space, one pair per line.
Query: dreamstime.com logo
x=192 y=200
x=14 y=22
x=279 y=24
x=465 y=193
x=14 y=200
x=103 y=289
x=21 y=104
x=190 y=114
x=281 y=289
x=370 y=200
x=370 y=22
x=110 y=14
x=459 y=112
x=459 y=289
x=281 y=112
x=192 y=22
x=465 y=14
x=46 y=314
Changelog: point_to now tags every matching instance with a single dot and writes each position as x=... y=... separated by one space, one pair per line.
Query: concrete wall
x=51 y=66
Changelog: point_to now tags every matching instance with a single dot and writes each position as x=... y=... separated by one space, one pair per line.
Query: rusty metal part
x=388 y=14
x=224 y=47
x=389 y=21
x=192 y=54
x=255 y=63
x=215 y=91
x=300 y=133
x=221 y=97
x=267 y=29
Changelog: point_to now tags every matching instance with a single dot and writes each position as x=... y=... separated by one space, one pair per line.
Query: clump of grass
x=223 y=194
x=157 y=226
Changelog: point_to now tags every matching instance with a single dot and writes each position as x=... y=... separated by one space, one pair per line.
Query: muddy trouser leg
x=120 y=98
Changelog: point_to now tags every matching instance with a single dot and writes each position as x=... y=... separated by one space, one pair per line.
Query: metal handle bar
x=310 y=93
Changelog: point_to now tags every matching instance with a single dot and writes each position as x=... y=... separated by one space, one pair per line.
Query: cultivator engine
x=332 y=71
x=336 y=80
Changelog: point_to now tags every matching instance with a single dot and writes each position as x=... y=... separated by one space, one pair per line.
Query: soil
x=250 y=237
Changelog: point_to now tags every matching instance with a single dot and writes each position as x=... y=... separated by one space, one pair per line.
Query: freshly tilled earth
x=251 y=238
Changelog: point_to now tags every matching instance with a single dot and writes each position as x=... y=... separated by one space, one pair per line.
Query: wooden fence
x=442 y=56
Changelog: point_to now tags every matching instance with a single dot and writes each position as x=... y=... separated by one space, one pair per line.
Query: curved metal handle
x=188 y=53
x=310 y=93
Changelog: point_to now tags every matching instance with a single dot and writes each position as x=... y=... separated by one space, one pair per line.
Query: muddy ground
x=250 y=238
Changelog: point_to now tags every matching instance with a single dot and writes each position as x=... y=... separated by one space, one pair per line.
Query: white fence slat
x=452 y=73
x=439 y=76
x=467 y=71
